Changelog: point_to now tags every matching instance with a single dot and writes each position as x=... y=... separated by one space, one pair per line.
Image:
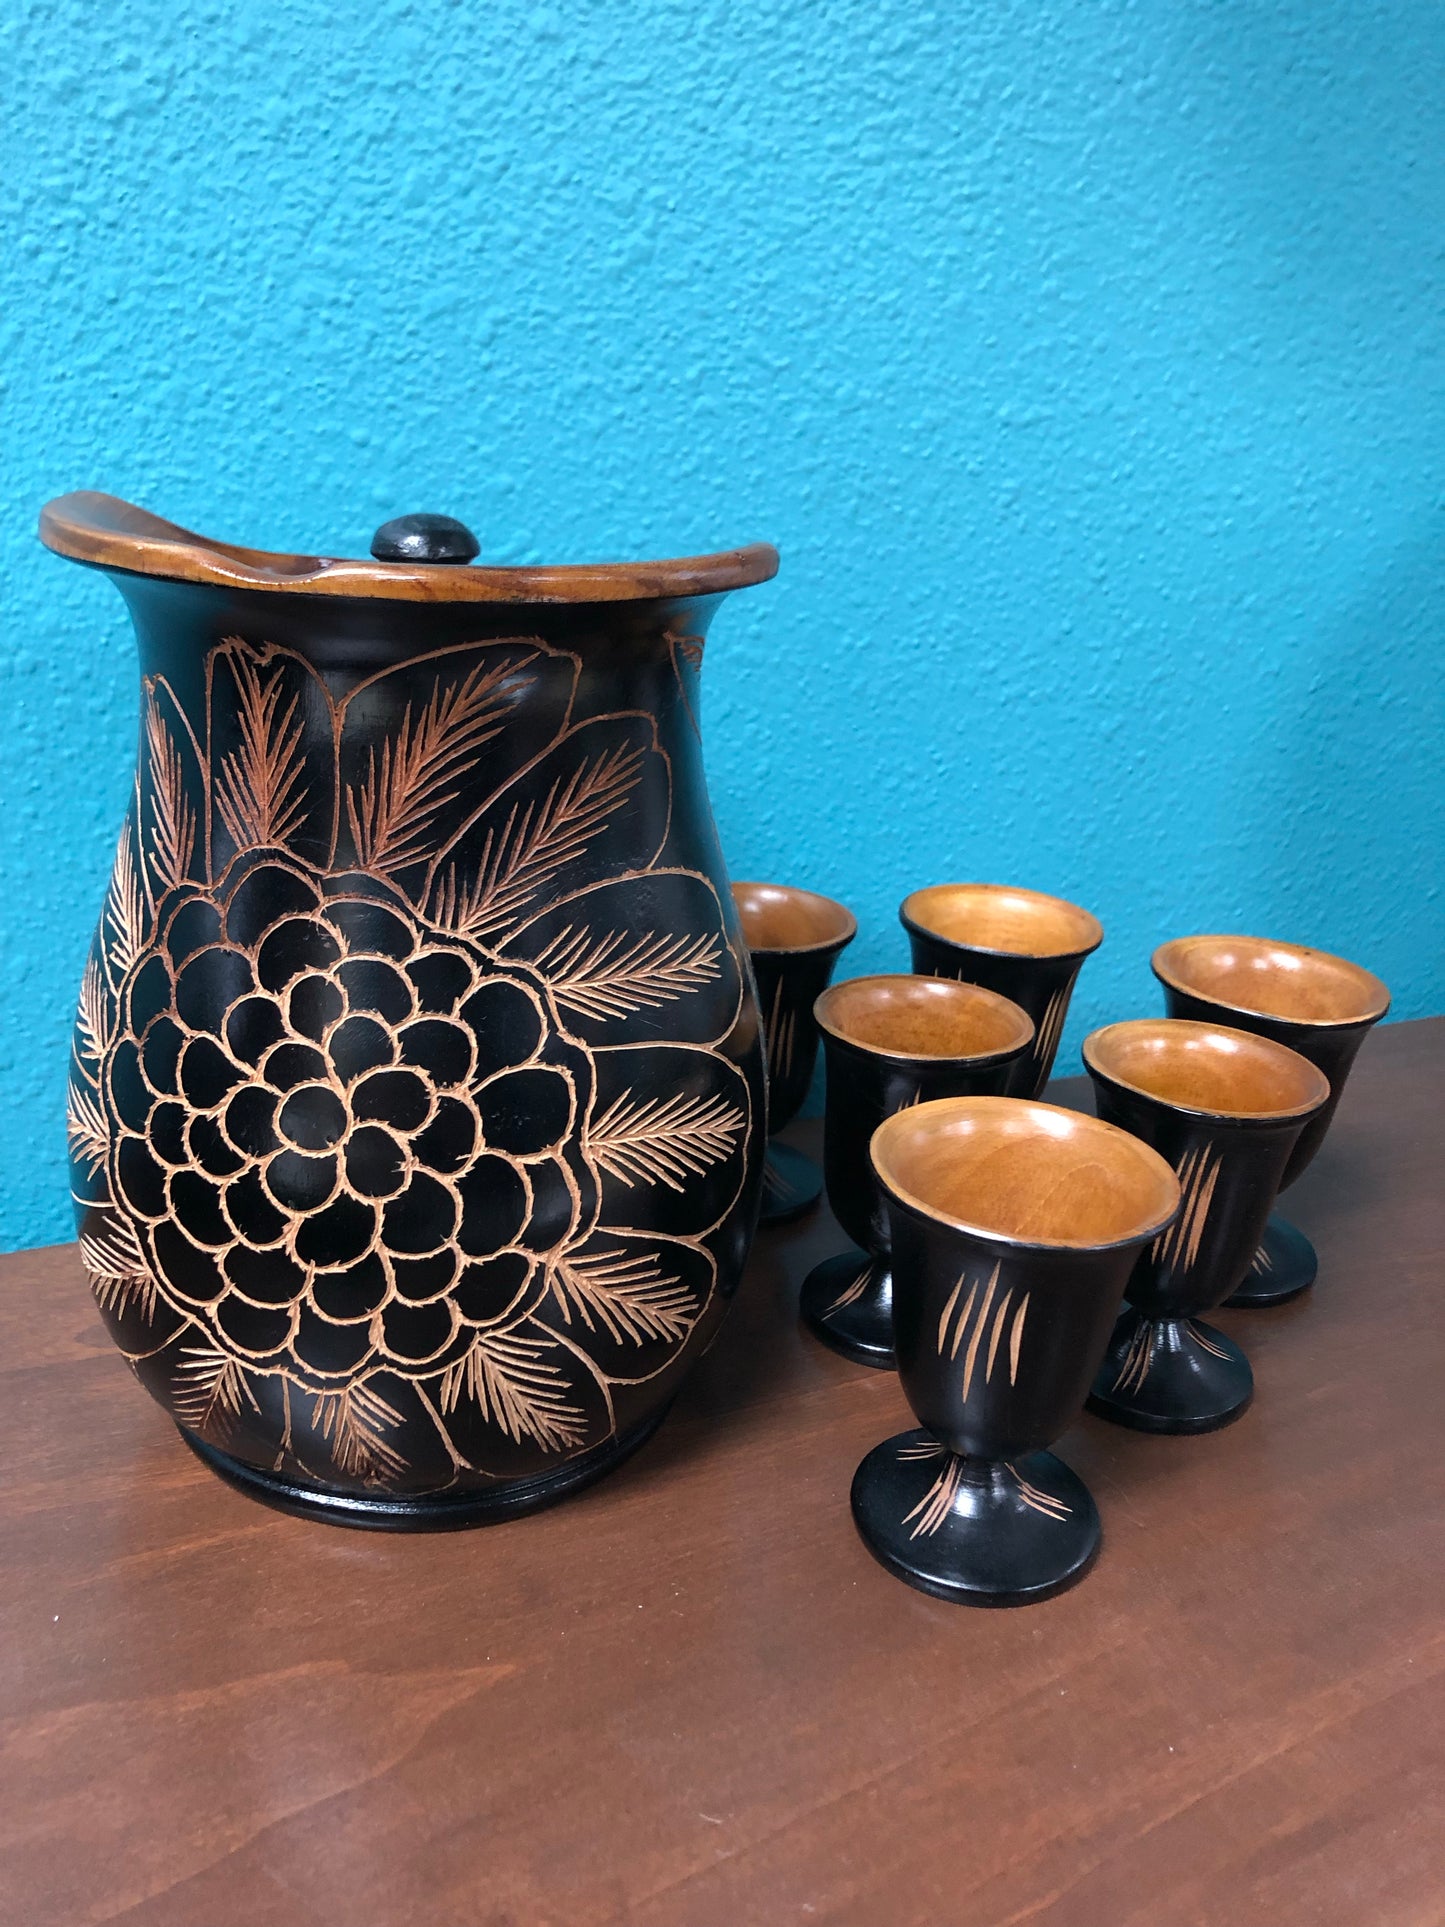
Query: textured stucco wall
x=1083 y=360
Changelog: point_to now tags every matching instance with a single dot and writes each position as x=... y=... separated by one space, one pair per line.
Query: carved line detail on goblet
x=961 y=1324
x=1051 y=1025
x=780 y=1031
x=936 y=1504
x=1198 y=1171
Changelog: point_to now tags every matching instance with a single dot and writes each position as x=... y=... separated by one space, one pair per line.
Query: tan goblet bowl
x=1317 y=1004
x=1207 y=1068
x=777 y=917
x=922 y=1017
x=1009 y=922
x=1266 y=979
x=1029 y=1173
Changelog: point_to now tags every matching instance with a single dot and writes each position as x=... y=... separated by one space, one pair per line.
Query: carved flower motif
x=403 y=1121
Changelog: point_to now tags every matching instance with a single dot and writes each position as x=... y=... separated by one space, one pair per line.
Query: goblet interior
x=1282 y=980
x=922 y=1017
x=1207 y=1068
x=1011 y=1168
x=1016 y=923
x=777 y=917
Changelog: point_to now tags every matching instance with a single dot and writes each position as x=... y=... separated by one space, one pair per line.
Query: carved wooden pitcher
x=416 y=1098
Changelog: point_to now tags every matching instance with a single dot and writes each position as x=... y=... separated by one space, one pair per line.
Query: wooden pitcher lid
x=111 y=534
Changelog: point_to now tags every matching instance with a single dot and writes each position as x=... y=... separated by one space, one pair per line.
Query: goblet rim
x=953 y=990
x=1162 y=964
x=837 y=941
x=942 y=1110
x=1195 y=1027
x=1091 y=925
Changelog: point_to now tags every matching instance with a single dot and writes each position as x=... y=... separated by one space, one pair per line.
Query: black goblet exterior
x=1284 y=1263
x=847 y=1301
x=795 y=938
x=997 y=1340
x=1041 y=985
x=1165 y=1371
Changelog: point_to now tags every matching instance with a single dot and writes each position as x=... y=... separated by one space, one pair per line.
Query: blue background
x=1083 y=360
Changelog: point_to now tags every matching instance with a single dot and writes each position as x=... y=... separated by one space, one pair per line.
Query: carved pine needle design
x=992 y=1317
x=280 y=775
x=354 y=1423
x=260 y=790
x=611 y=977
x=95 y=1020
x=85 y=1128
x=1177 y=1248
x=537 y=841
x=124 y=913
x=173 y=838
x=629 y=1296
x=515 y=1387
x=118 y=1274
x=416 y=774
x=664 y=1140
x=210 y=1390
x=920 y=1449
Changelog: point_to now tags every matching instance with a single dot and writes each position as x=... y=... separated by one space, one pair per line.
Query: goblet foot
x=983 y=1532
x=792 y=1184
x=1171 y=1375
x=421 y=1512
x=1284 y=1266
x=847 y=1301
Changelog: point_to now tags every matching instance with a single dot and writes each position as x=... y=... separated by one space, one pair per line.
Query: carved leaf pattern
x=85 y=1128
x=537 y=840
x=664 y=1140
x=514 y=1385
x=520 y=1379
x=354 y=1423
x=629 y=1296
x=609 y=976
x=124 y=914
x=94 y=1021
x=260 y=790
x=210 y=1390
x=118 y=1274
x=173 y=840
x=415 y=774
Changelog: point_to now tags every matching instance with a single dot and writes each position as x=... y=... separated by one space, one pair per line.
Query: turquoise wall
x=1084 y=361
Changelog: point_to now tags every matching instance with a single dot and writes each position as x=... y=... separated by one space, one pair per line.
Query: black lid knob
x=424 y=538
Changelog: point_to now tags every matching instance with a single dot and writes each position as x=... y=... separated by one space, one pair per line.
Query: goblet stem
x=1171 y=1375
x=1284 y=1266
x=847 y=1302
x=983 y=1532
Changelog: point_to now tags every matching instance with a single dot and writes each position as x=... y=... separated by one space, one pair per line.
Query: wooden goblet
x=1013 y=1226
x=1316 y=1004
x=1226 y=1108
x=1026 y=946
x=795 y=937
x=891 y=1042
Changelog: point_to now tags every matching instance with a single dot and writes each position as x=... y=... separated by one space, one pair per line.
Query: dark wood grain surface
x=690 y=1697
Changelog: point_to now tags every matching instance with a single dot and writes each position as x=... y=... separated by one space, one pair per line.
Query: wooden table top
x=690 y=1697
